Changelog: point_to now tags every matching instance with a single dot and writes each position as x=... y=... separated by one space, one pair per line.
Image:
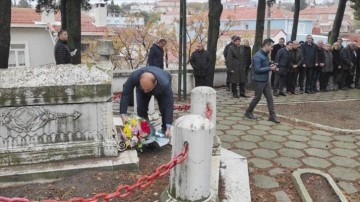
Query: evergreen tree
x=356 y=7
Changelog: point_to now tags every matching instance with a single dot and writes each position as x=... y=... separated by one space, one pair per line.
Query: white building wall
x=40 y=45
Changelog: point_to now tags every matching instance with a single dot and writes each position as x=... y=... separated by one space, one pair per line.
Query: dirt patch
x=319 y=189
x=88 y=183
x=340 y=114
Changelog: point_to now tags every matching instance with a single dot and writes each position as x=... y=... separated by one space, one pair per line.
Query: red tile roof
x=28 y=16
x=24 y=16
x=319 y=10
x=249 y=13
x=247 y=33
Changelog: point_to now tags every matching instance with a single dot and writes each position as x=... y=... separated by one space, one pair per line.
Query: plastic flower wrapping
x=135 y=132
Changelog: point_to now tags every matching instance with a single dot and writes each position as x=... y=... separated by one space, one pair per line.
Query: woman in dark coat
x=235 y=64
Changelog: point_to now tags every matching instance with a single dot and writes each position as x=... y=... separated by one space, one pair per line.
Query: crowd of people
x=313 y=67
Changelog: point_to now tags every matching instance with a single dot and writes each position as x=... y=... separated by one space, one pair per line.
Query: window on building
x=331 y=17
x=246 y=26
x=19 y=56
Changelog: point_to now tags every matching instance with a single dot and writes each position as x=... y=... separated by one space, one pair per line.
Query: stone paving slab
x=278 y=149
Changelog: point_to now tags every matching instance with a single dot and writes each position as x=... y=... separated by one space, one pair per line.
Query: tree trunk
x=73 y=24
x=337 y=22
x=5 y=20
x=260 y=20
x=296 y=20
x=215 y=10
x=63 y=14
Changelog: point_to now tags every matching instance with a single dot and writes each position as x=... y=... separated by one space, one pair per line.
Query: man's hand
x=304 y=65
x=232 y=71
x=273 y=67
x=168 y=132
x=124 y=118
x=339 y=67
x=322 y=64
x=316 y=64
x=294 y=66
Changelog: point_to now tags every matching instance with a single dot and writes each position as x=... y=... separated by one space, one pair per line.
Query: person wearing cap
x=226 y=49
x=149 y=81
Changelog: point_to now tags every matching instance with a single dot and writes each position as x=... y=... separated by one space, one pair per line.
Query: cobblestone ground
x=275 y=150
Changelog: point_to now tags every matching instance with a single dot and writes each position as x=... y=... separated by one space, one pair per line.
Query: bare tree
x=5 y=20
x=215 y=10
x=296 y=20
x=260 y=20
x=335 y=31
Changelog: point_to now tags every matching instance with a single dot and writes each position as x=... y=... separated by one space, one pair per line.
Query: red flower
x=145 y=127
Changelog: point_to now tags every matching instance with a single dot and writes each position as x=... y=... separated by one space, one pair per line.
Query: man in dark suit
x=200 y=62
x=61 y=50
x=349 y=57
x=357 y=67
x=149 y=81
x=273 y=53
x=156 y=54
x=282 y=60
x=226 y=50
x=309 y=55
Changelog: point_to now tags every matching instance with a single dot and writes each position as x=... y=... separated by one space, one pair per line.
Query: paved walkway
x=274 y=149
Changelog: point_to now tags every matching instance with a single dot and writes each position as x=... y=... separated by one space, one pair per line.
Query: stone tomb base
x=53 y=113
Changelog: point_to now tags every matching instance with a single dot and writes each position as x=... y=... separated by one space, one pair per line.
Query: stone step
x=48 y=172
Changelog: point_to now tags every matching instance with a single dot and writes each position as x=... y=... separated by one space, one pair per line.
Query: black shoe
x=276 y=94
x=274 y=119
x=236 y=96
x=301 y=92
x=245 y=96
x=250 y=115
x=282 y=94
x=308 y=92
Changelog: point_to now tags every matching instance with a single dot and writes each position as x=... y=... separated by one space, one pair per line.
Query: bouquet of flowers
x=135 y=132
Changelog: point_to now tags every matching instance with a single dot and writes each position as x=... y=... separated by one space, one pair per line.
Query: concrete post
x=104 y=48
x=203 y=102
x=190 y=181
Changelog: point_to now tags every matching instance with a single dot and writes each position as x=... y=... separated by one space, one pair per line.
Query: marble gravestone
x=52 y=113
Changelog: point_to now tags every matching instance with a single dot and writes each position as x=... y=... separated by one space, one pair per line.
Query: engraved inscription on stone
x=27 y=119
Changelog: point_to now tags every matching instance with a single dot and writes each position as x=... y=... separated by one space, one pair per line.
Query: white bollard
x=190 y=181
x=203 y=99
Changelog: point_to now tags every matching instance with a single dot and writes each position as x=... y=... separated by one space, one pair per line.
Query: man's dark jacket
x=161 y=91
x=62 y=53
x=283 y=58
x=348 y=57
x=309 y=54
x=247 y=54
x=320 y=56
x=275 y=50
x=200 y=62
x=226 y=49
x=156 y=56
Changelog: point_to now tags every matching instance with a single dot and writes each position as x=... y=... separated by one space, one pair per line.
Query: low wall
x=55 y=113
x=119 y=78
